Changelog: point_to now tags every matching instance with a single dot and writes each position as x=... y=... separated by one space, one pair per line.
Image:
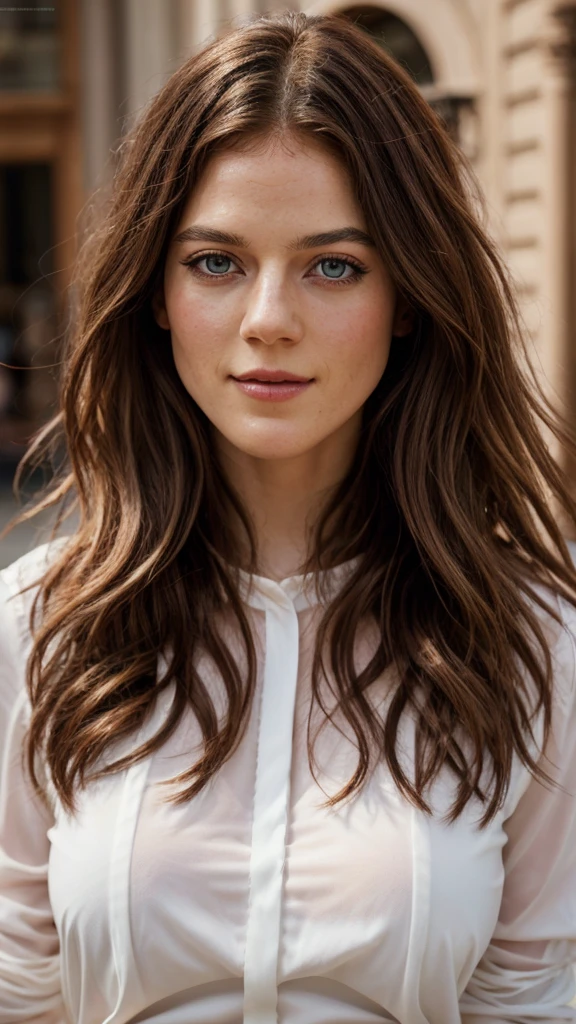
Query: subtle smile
x=272 y=385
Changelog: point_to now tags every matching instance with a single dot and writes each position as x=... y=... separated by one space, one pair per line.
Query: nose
x=271 y=314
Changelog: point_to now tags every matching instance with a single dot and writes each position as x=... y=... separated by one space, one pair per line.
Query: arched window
x=396 y=37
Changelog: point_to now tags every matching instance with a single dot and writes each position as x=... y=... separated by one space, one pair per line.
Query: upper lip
x=271 y=376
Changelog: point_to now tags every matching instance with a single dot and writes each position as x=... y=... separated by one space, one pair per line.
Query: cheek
x=199 y=331
x=206 y=315
x=358 y=344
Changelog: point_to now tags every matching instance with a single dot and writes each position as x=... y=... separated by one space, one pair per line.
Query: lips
x=272 y=376
x=271 y=385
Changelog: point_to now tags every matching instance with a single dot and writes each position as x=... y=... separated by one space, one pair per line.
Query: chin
x=272 y=451
x=271 y=444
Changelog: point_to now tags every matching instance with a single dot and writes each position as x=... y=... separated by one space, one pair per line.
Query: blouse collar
x=300 y=591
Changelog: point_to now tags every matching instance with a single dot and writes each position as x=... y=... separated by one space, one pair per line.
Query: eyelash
x=192 y=263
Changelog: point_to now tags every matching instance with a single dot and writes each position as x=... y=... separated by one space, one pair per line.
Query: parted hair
x=450 y=507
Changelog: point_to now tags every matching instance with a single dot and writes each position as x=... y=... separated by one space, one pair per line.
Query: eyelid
x=204 y=253
x=352 y=261
x=194 y=259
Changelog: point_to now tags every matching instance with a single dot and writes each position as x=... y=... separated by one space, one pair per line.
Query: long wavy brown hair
x=447 y=507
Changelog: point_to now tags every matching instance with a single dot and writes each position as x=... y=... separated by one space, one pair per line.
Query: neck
x=284 y=498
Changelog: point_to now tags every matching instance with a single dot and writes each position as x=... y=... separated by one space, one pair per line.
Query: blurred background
x=73 y=76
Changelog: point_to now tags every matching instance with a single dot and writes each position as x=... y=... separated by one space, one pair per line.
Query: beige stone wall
x=535 y=186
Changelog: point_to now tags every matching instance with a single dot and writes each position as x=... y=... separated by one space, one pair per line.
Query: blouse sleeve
x=527 y=972
x=30 y=988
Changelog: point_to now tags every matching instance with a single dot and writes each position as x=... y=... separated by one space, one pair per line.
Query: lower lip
x=272 y=392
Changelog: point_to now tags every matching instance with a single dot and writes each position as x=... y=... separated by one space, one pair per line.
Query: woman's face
x=271 y=273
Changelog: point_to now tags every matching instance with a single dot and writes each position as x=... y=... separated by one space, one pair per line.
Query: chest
x=356 y=881
x=258 y=879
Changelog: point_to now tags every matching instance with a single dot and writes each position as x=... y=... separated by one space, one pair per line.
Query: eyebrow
x=200 y=233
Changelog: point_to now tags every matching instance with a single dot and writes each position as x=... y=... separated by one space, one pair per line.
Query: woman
x=297 y=694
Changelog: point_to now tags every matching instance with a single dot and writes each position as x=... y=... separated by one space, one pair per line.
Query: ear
x=159 y=308
x=404 y=318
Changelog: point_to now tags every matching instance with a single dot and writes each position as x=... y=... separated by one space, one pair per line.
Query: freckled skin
x=276 y=307
x=271 y=313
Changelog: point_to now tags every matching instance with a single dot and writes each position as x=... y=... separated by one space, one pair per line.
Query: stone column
x=557 y=263
x=198 y=20
x=241 y=8
x=100 y=116
x=561 y=220
x=151 y=29
x=491 y=158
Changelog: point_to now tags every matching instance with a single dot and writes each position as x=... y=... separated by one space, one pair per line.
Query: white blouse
x=254 y=903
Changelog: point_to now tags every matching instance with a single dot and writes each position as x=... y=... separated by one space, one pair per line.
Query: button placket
x=271 y=807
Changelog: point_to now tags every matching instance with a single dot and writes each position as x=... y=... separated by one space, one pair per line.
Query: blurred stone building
x=74 y=75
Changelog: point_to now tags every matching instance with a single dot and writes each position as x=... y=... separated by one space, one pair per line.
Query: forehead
x=293 y=179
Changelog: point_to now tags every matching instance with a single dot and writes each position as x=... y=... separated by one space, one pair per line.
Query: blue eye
x=217 y=264
x=334 y=268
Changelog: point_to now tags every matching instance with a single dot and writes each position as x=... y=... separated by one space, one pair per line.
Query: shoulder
x=555 y=620
x=30 y=567
x=559 y=628
x=558 y=625
x=563 y=653
x=19 y=583
x=563 y=649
